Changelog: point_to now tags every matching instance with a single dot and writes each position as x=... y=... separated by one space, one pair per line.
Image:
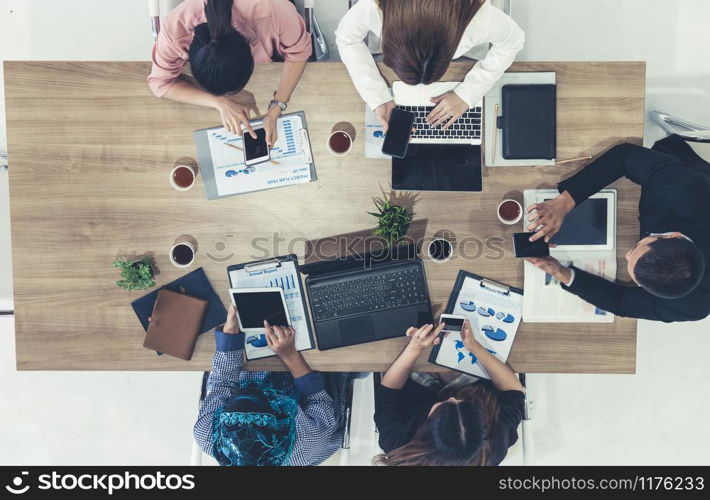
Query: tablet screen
x=586 y=224
x=255 y=307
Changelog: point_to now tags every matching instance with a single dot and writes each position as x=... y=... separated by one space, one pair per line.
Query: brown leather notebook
x=175 y=324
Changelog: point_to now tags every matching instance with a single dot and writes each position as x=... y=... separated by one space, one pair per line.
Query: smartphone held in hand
x=399 y=131
x=523 y=247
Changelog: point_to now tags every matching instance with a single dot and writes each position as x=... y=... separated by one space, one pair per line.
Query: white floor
x=657 y=416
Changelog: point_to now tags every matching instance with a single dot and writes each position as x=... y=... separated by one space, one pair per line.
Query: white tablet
x=589 y=226
x=254 y=305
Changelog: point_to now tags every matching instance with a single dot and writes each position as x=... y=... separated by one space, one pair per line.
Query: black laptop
x=363 y=298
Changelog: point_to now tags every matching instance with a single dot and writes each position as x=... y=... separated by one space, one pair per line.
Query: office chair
x=689 y=131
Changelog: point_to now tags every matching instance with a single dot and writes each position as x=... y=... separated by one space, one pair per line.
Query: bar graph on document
x=232 y=176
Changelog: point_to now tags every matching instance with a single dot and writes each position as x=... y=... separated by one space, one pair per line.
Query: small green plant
x=137 y=275
x=392 y=221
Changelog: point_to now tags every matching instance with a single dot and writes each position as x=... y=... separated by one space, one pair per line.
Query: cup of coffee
x=339 y=142
x=440 y=250
x=182 y=254
x=182 y=177
x=510 y=212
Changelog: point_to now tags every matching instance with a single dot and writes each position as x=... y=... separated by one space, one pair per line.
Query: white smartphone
x=454 y=322
x=254 y=305
x=255 y=150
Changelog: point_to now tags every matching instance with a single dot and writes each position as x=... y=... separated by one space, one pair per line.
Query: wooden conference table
x=90 y=152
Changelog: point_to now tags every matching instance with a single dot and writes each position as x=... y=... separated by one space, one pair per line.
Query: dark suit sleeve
x=389 y=418
x=628 y=301
x=638 y=164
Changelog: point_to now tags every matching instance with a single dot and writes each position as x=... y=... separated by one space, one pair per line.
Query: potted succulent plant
x=392 y=221
x=135 y=274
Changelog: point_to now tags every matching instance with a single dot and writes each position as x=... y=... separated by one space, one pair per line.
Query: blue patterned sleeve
x=222 y=383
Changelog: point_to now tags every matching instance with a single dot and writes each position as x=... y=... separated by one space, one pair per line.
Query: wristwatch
x=275 y=102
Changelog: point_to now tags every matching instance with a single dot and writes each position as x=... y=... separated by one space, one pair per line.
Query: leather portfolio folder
x=175 y=324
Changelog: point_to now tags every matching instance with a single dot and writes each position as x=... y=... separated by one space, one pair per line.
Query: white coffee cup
x=515 y=220
x=180 y=263
x=346 y=136
x=446 y=243
x=175 y=185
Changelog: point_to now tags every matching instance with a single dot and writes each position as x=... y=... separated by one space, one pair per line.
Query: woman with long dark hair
x=471 y=424
x=222 y=40
x=419 y=40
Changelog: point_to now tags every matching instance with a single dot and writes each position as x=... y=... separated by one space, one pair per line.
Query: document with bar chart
x=221 y=159
x=280 y=272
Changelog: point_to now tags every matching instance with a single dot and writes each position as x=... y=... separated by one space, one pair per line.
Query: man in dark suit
x=669 y=262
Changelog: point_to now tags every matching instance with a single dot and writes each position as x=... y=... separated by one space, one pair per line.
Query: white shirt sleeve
x=350 y=38
x=506 y=38
x=571 y=280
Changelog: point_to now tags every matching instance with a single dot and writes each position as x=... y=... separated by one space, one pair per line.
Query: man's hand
x=383 y=112
x=424 y=337
x=546 y=218
x=233 y=115
x=281 y=340
x=270 y=125
x=553 y=267
x=449 y=108
x=232 y=325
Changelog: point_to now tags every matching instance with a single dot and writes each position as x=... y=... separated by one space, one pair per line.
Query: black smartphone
x=255 y=150
x=523 y=247
x=398 y=132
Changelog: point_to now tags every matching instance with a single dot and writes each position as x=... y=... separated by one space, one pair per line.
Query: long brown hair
x=420 y=37
x=474 y=420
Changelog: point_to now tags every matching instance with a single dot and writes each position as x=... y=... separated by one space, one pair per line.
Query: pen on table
x=273 y=162
x=572 y=160
x=569 y=160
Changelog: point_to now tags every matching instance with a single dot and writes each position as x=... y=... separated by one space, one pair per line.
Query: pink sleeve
x=168 y=63
x=294 y=40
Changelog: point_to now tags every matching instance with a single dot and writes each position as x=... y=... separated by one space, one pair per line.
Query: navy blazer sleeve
x=627 y=301
x=636 y=163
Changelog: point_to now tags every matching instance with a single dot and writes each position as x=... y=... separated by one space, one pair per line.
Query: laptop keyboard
x=465 y=128
x=369 y=293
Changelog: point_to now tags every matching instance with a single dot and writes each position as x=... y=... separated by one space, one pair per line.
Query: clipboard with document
x=281 y=272
x=495 y=313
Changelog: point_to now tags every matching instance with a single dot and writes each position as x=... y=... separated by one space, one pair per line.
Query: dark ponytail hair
x=220 y=57
x=456 y=433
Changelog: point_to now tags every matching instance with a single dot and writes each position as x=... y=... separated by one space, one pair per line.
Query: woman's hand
x=553 y=267
x=233 y=115
x=449 y=108
x=424 y=337
x=549 y=215
x=469 y=341
x=270 y=125
x=383 y=112
x=281 y=340
x=232 y=325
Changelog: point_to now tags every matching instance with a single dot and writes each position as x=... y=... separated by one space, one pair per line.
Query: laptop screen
x=586 y=224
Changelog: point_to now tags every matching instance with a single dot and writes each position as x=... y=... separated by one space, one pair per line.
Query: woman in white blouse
x=419 y=40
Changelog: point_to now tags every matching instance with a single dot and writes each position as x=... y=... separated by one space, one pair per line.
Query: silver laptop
x=416 y=99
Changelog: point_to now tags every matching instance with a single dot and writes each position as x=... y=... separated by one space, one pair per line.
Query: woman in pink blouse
x=222 y=40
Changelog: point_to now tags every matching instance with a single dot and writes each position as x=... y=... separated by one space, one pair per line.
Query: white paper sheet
x=374 y=136
x=547 y=302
